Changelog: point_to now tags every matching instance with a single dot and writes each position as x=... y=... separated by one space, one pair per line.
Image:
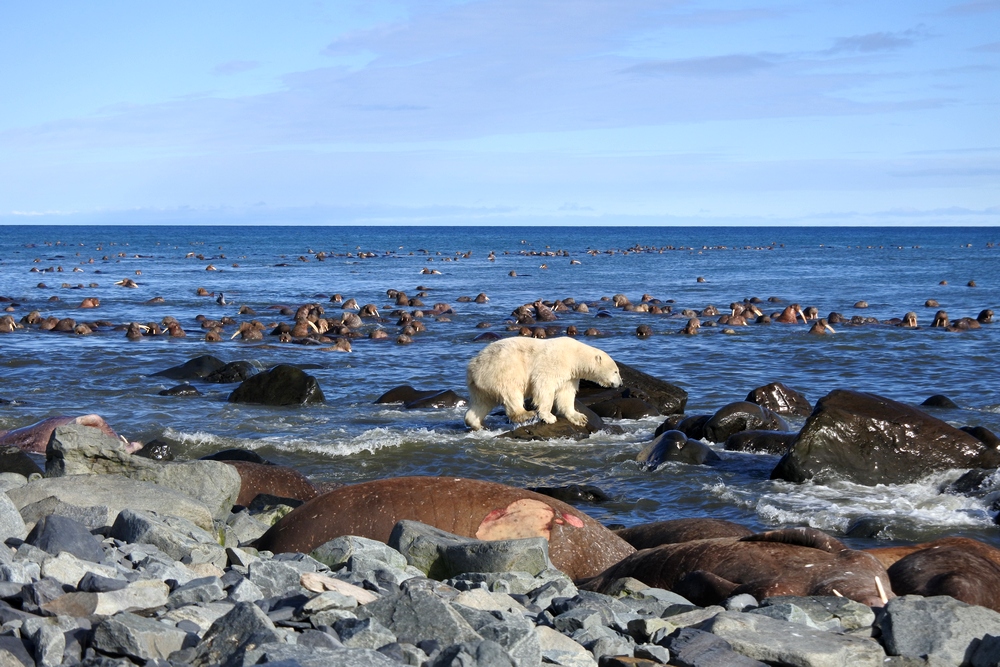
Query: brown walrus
x=274 y=480
x=795 y=561
x=35 y=438
x=675 y=531
x=578 y=545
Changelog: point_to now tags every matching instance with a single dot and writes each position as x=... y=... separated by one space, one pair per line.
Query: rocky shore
x=113 y=559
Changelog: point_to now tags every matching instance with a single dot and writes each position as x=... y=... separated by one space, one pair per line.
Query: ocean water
x=351 y=439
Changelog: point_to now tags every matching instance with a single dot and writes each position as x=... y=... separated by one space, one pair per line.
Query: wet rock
x=761 y=442
x=195 y=369
x=440 y=554
x=667 y=398
x=180 y=390
x=156 y=450
x=872 y=440
x=624 y=408
x=561 y=428
x=677 y=447
x=573 y=493
x=940 y=401
x=14 y=459
x=693 y=426
x=405 y=394
x=234 y=371
x=742 y=416
x=281 y=385
x=983 y=435
x=780 y=399
x=440 y=399
x=940 y=628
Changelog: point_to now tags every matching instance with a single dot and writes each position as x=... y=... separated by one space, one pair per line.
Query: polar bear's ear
x=599 y=360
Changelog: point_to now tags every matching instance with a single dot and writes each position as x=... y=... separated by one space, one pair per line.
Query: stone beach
x=114 y=559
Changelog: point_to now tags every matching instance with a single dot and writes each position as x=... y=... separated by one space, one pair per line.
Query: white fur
x=548 y=371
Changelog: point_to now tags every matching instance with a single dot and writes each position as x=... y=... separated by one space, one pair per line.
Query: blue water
x=349 y=439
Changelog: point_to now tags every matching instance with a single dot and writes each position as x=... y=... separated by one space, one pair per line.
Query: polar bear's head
x=605 y=370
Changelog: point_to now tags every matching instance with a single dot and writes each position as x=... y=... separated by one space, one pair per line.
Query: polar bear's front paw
x=577 y=418
x=521 y=416
x=547 y=417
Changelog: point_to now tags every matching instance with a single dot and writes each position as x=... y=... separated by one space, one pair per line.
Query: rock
x=56 y=533
x=626 y=407
x=14 y=459
x=137 y=596
x=405 y=394
x=483 y=652
x=48 y=639
x=573 y=493
x=561 y=650
x=677 y=447
x=940 y=401
x=277 y=577
x=668 y=398
x=177 y=537
x=339 y=551
x=742 y=416
x=872 y=440
x=195 y=369
x=693 y=426
x=363 y=633
x=90 y=517
x=561 y=428
x=940 y=628
x=780 y=399
x=440 y=399
x=196 y=591
x=440 y=554
x=69 y=570
x=244 y=627
x=234 y=371
x=837 y=613
x=308 y=656
x=281 y=385
x=180 y=390
x=81 y=450
x=414 y=615
x=774 y=641
x=761 y=442
x=11 y=523
x=696 y=648
x=138 y=638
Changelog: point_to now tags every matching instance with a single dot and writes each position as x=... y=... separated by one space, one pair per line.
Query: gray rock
x=245 y=591
x=484 y=653
x=695 y=648
x=337 y=552
x=309 y=656
x=788 y=611
x=141 y=595
x=823 y=610
x=196 y=591
x=68 y=569
x=91 y=517
x=414 y=615
x=82 y=450
x=771 y=640
x=228 y=639
x=741 y=602
x=937 y=627
x=48 y=639
x=138 y=637
x=110 y=494
x=55 y=533
x=13 y=652
x=176 y=537
x=275 y=577
x=202 y=616
x=363 y=633
x=245 y=527
x=559 y=649
x=329 y=600
x=11 y=523
x=987 y=654
x=509 y=629
x=440 y=554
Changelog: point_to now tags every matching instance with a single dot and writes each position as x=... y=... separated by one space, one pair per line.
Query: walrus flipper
x=704 y=588
x=803 y=537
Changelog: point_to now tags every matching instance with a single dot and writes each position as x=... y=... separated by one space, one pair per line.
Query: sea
x=350 y=438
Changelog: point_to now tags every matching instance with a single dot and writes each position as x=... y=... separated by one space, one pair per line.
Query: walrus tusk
x=837 y=593
x=803 y=315
x=236 y=334
x=830 y=329
x=881 y=590
x=314 y=327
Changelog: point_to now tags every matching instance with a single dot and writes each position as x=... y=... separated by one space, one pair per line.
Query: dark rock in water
x=742 y=416
x=940 y=401
x=675 y=531
x=693 y=426
x=667 y=398
x=780 y=399
x=234 y=371
x=14 y=459
x=281 y=385
x=761 y=442
x=404 y=394
x=486 y=337
x=195 y=369
x=872 y=440
x=976 y=482
x=562 y=428
x=670 y=424
x=441 y=399
x=237 y=455
x=55 y=533
x=624 y=407
x=983 y=434
x=675 y=446
x=156 y=450
x=180 y=390
x=867 y=527
x=573 y=493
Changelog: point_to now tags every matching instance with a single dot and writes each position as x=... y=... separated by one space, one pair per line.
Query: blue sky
x=816 y=112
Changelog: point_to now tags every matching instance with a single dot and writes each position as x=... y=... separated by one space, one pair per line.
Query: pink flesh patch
x=523 y=518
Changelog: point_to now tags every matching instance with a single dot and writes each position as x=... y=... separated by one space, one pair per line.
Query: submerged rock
x=281 y=385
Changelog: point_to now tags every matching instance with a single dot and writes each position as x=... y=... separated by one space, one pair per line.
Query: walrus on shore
x=675 y=531
x=796 y=561
x=35 y=438
x=578 y=545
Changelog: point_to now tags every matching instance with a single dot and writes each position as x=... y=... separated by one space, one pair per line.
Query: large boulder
x=281 y=385
x=195 y=369
x=779 y=398
x=667 y=398
x=742 y=416
x=873 y=440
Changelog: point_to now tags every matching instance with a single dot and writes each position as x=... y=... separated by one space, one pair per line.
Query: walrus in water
x=35 y=438
x=794 y=561
x=578 y=545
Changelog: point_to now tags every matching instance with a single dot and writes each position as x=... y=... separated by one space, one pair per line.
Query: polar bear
x=548 y=371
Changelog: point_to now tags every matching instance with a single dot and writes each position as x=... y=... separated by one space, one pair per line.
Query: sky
x=500 y=112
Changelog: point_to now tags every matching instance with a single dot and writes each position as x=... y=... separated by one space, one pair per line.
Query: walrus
x=797 y=561
x=578 y=545
x=273 y=480
x=35 y=438
x=963 y=568
x=675 y=531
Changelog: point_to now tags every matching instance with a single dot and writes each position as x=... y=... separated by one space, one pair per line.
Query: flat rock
x=178 y=538
x=137 y=637
x=11 y=523
x=415 y=615
x=939 y=627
